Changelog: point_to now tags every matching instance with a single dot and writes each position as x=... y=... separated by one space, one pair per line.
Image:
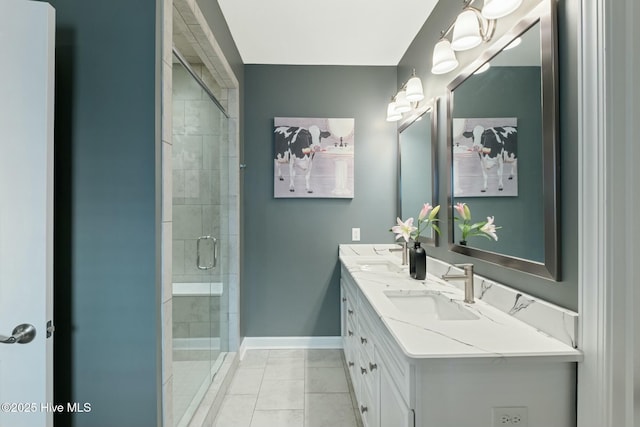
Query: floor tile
x=288 y=352
x=236 y=411
x=268 y=390
x=324 y=359
x=281 y=394
x=255 y=359
x=325 y=380
x=284 y=368
x=284 y=418
x=329 y=410
x=246 y=381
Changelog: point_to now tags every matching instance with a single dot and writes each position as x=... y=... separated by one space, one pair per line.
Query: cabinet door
x=393 y=411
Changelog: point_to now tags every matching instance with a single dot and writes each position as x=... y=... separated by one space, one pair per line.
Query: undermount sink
x=429 y=305
x=378 y=265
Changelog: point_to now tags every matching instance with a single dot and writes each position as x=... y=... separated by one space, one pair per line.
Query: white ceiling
x=325 y=32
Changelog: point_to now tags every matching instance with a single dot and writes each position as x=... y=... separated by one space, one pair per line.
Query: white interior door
x=26 y=211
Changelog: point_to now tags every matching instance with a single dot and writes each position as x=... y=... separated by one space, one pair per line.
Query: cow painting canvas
x=485 y=157
x=313 y=157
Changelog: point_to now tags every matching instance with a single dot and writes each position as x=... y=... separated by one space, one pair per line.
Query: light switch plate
x=355 y=234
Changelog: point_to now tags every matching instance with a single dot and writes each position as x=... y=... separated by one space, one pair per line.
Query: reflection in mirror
x=503 y=154
x=417 y=167
x=497 y=149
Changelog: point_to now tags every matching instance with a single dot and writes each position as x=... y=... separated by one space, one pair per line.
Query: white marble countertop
x=493 y=333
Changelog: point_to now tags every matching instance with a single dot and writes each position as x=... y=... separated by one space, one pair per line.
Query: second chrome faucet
x=468 y=281
x=404 y=249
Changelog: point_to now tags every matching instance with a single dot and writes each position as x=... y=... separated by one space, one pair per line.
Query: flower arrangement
x=426 y=219
x=469 y=229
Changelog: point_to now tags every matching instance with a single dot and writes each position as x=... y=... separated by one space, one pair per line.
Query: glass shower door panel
x=198 y=242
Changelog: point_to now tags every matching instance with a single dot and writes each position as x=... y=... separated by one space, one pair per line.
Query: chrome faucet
x=468 y=281
x=403 y=248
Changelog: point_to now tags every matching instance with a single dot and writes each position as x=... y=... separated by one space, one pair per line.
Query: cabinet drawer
x=350 y=288
x=354 y=373
x=368 y=370
x=366 y=334
x=351 y=348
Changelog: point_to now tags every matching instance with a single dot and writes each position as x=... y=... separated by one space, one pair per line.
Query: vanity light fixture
x=414 y=89
x=392 y=114
x=402 y=103
x=470 y=28
x=407 y=98
x=496 y=9
x=444 y=58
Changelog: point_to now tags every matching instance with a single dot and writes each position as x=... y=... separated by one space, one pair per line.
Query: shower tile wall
x=196 y=317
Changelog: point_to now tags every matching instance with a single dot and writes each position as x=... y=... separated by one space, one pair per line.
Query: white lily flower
x=404 y=229
x=490 y=229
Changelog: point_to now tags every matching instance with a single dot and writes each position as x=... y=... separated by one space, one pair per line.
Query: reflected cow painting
x=313 y=157
x=485 y=157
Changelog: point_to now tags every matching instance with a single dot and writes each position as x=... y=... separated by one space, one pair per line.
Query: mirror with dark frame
x=417 y=163
x=502 y=132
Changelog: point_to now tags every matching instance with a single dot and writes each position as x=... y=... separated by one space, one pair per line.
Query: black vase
x=417 y=262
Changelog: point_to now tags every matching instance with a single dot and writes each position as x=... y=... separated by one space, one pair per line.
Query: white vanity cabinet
x=371 y=365
x=432 y=389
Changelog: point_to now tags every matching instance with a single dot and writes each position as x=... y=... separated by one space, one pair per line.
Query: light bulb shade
x=444 y=58
x=466 y=32
x=402 y=103
x=392 y=114
x=414 y=90
x=494 y=9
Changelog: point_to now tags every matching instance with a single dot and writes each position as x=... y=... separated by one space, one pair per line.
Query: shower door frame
x=175 y=15
x=202 y=268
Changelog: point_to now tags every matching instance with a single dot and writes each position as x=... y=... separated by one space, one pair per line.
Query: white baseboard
x=274 y=343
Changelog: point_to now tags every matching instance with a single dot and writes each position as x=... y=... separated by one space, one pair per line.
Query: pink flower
x=463 y=211
x=424 y=212
x=403 y=229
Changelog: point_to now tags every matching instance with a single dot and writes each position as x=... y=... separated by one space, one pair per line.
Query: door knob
x=22 y=334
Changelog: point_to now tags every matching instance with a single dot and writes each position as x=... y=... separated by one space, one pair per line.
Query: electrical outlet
x=510 y=416
x=355 y=234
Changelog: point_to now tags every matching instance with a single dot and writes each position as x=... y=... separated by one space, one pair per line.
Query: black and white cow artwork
x=496 y=146
x=297 y=146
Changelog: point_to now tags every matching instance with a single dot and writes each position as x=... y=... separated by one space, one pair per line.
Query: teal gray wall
x=418 y=56
x=290 y=272
x=105 y=268
x=492 y=94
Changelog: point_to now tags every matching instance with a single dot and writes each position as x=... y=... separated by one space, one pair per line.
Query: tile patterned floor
x=289 y=388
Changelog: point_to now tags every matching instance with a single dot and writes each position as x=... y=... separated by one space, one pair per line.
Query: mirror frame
x=431 y=106
x=545 y=13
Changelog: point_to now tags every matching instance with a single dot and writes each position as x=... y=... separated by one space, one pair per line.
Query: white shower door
x=26 y=213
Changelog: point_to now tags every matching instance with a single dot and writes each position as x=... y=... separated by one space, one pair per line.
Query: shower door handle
x=214 y=262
